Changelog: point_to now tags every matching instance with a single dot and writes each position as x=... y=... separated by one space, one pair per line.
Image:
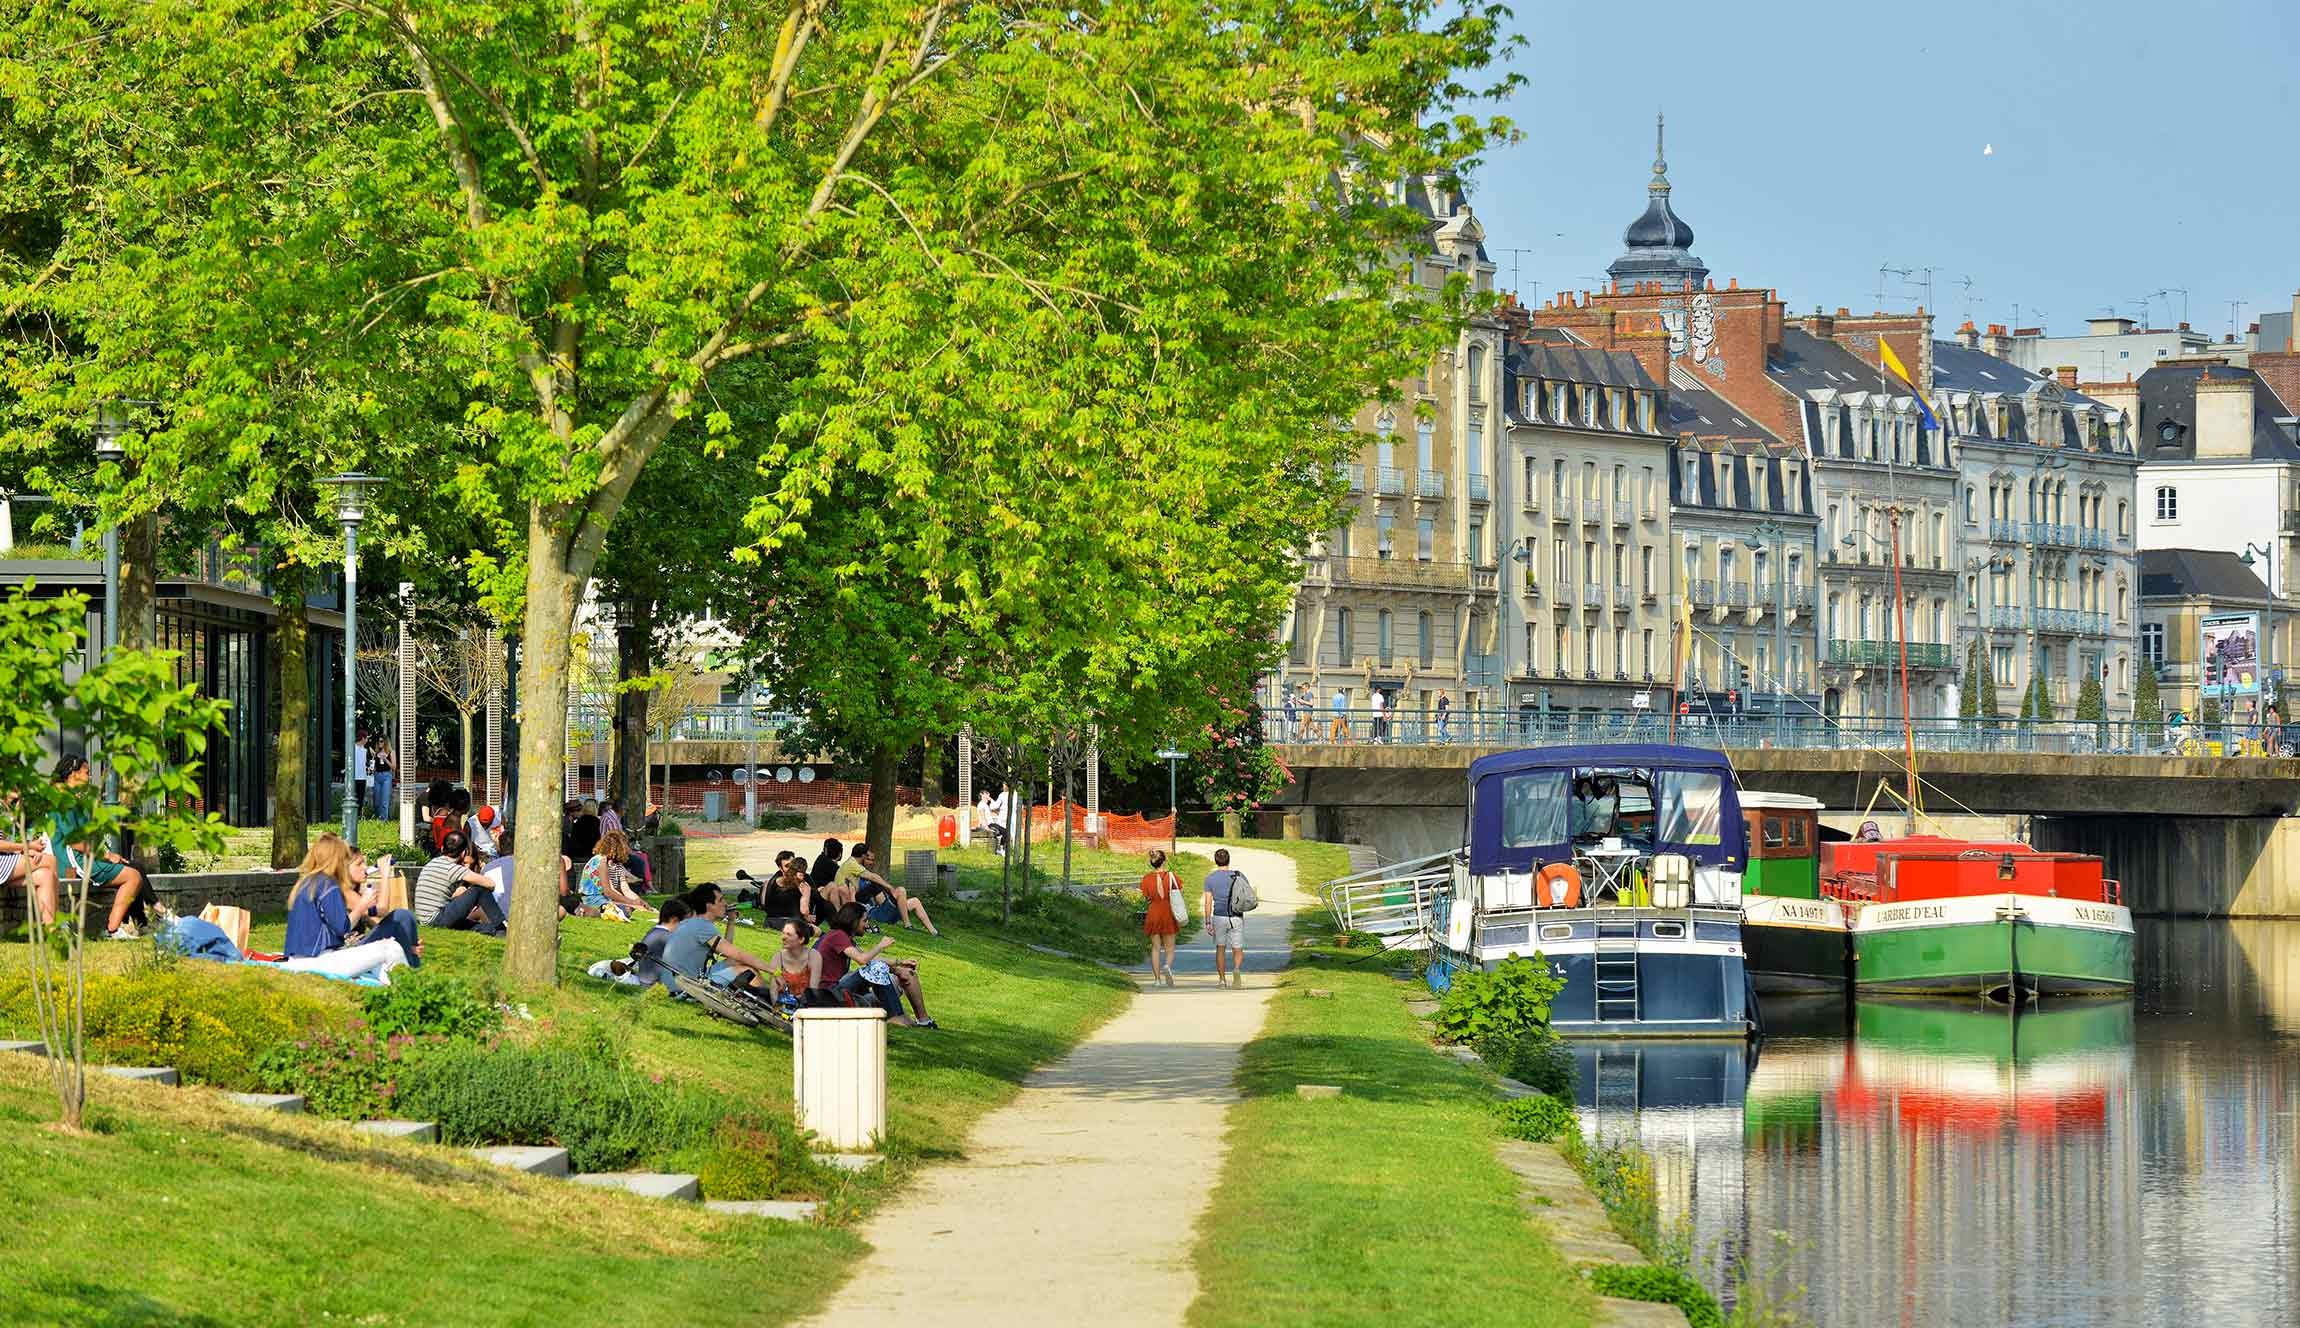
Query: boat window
x=1533 y=809
x=1797 y=832
x=1610 y=803
x=1557 y=931
x=1690 y=806
x=1668 y=931
x=1775 y=831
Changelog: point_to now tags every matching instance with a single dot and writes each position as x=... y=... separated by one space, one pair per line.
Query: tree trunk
x=291 y=746
x=531 y=954
x=634 y=658
x=878 y=826
x=139 y=584
x=465 y=717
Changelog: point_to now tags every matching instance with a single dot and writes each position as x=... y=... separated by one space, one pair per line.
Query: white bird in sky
x=1988 y=149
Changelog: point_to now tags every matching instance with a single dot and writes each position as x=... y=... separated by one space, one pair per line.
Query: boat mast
x=1900 y=605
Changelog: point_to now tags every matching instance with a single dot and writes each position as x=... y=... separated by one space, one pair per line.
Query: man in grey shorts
x=1228 y=929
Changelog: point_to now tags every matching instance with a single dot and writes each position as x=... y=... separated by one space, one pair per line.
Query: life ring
x=1558 y=886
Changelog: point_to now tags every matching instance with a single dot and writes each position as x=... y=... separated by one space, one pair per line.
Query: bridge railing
x=1501 y=728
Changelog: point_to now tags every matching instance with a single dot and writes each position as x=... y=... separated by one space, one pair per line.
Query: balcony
x=1704 y=593
x=2050 y=534
x=1392 y=573
x=1352 y=474
x=1389 y=480
x=2097 y=540
x=1532 y=493
x=2006 y=617
x=1798 y=598
x=1429 y=484
x=2070 y=622
x=1887 y=654
x=1592 y=595
x=1480 y=491
x=1736 y=595
x=1532 y=588
x=1624 y=513
x=1593 y=509
x=2004 y=532
x=1485 y=580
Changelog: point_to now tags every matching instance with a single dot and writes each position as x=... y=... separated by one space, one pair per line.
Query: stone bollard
x=838 y=1076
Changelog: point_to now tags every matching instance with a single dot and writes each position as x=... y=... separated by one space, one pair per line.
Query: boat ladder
x=1616 y=972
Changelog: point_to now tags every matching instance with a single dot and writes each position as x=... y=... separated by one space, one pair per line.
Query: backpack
x=1243 y=900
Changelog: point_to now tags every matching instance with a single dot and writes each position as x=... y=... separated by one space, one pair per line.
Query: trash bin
x=838 y=1076
x=714 y=806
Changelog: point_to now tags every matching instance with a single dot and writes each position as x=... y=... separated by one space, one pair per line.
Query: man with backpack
x=1228 y=897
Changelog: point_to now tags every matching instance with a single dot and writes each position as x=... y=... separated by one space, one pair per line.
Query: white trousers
x=375 y=959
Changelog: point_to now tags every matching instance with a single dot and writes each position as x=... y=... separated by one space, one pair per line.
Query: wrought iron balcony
x=1887 y=654
x=1704 y=593
x=1430 y=484
x=2005 y=532
x=1624 y=514
x=1389 y=480
x=1354 y=474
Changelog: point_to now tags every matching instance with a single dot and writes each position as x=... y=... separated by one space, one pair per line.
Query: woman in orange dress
x=1163 y=921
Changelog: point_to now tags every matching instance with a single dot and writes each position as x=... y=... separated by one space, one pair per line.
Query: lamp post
x=112 y=419
x=2268 y=626
x=351 y=509
x=1173 y=759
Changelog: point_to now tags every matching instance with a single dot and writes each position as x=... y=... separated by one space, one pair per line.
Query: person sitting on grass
x=862 y=975
x=826 y=867
x=643 y=967
x=101 y=866
x=606 y=883
x=798 y=970
x=788 y=894
x=696 y=949
x=323 y=909
x=883 y=899
x=452 y=892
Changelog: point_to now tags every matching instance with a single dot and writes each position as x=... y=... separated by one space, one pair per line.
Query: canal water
x=1938 y=1165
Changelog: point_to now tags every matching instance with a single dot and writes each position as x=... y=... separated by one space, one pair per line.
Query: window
x=1621 y=652
x=1557 y=478
x=1621 y=564
x=1969 y=518
x=1382 y=523
x=1648 y=652
x=1425 y=444
x=1425 y=539
x=1475 y=442
x=1477 y=373
x=1590 y=564
x=2120 y=606
x=1532 y=655
x=1477 y=540
x=2167 y=503
x=1940 y=537
x=1298 y=642
x=1533 y=809
x=1345 y=650
x=1645 y=568
x=2152 y=644
x=1796 y=678
x=2001 y=667
x=1426 y=645
x=1564 y=563
x=1532 y=479
x=2122 y=519
x=1342 y=542
x=1589 y=652
x=1385 y=454
x=1621 y=484
x=1690 y=808
x=1383 y=640
x=1646 y=493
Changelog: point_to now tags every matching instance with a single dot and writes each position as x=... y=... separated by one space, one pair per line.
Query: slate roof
x=1961 y=368
x=1805 y=363
x=2168 y=393
x=2210 y=573
x=1707 y=416
x=1580 y=364
x=1708 y=423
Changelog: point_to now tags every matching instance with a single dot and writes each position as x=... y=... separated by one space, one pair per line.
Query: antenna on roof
x=1971 y=299
x=2235 y=311
x=1882 y=269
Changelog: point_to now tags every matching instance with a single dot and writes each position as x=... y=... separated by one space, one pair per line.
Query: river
x=1951 y=1165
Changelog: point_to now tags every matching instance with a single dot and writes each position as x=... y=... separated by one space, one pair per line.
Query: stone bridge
x=2188 y=835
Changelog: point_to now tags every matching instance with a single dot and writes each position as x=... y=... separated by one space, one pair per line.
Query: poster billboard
x=2231 y=654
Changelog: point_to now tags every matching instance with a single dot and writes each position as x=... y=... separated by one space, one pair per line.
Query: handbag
x=1175 y=904
x=231 y=920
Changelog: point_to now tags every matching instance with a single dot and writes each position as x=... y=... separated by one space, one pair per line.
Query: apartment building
x=2047 y=517
x=1586 y=611
x=1401 y=597
x=1744 y=534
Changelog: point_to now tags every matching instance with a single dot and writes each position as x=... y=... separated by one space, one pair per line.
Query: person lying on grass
x=333 y=894
x=882 y=899
x=798 y=970
x=862 y=975
x=453 y=893
x=696 y=948
x=606 y=883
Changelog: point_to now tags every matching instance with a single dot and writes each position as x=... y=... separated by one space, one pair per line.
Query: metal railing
x=2089 y=538
x=1621 y=596
x=2004 y=532
x=1593 y=509
x=1389 y=480
x=1872 y=654
x=1410 y=573
x=2006 y=617
x=1481 y=491
x=1592 y=595
x=2052 y=534
x=1704 y=593
x=1624 y=513
x=1736 y=594
x=1352 y=474
x=2070 y=622
x=1795 y=729
x=1430 y=483
x=1393 y=902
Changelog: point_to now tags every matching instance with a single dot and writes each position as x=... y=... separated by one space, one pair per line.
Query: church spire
x=1660 y=183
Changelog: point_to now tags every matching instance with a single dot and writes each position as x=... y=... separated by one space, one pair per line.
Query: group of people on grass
x=42 y=863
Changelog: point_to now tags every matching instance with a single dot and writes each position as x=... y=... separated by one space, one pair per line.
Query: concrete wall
x=2242 y=867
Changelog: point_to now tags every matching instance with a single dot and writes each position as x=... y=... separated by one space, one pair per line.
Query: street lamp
x=2268 y=634
x=1173 y=759
x=112 y=418
x=351 y=509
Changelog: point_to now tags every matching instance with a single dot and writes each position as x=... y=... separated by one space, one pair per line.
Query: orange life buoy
x=1558 y=886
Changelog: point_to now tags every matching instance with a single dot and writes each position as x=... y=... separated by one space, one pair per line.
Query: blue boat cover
x=1696 y=804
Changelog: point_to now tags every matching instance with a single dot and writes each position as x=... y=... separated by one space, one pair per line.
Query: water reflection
x=2095 y=1162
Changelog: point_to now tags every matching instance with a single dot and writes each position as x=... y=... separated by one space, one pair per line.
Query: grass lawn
x=1385 y=1206
x=183 y=1209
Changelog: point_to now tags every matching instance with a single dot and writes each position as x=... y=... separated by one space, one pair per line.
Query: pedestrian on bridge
x=1339 y=730
x=1444 y=714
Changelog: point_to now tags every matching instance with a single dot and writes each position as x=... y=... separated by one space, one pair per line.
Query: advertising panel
x=2231 y=654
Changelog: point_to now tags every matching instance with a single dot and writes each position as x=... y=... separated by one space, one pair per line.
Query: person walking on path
x=1163 y=922
x=1228 y=928
x=1338 y=731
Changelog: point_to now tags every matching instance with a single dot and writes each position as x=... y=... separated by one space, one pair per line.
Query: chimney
x=2067 y=375
x=2292 y=338
x=1969 y=336
x=1842 y=312
x=1819 y=324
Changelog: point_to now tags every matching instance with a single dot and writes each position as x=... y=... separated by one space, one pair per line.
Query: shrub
x=1498 y=1005
x=423 y=1003
x=1542 y=1062
x=582 y=1095
x=212 y=1022
x=772 y=820
x=1653 y=1282
x=1539 y=1118
x=351 y=1075
x=751 y=1158
x=1621 y=1176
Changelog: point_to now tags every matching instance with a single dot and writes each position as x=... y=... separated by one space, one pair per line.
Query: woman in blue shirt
x=322 y=909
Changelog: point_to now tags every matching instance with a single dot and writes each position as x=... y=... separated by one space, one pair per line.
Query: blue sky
x=2139 y=147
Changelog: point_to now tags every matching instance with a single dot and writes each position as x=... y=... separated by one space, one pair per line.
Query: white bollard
x=838 y=1076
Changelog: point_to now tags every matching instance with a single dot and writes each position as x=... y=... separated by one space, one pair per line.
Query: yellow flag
x=1893 y=362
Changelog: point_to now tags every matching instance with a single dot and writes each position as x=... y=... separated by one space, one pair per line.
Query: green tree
x=2147 y=700
x=1078 y=242
x=2092 y=704
x=1969 y=694
x=149 y=729
x=2208 y=712
x=2039 y=704
x=1989 y=706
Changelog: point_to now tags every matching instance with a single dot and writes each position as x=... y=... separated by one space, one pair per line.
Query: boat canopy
x=1536 y=806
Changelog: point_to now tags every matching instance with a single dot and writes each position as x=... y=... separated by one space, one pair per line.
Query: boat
x=1619 y=866
x=1797 y=938
x=1937 y=916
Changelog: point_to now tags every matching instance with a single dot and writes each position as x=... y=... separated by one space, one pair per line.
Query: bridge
x=2188 y=834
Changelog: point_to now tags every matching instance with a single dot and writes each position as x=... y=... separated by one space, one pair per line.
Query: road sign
x=1641 y=701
